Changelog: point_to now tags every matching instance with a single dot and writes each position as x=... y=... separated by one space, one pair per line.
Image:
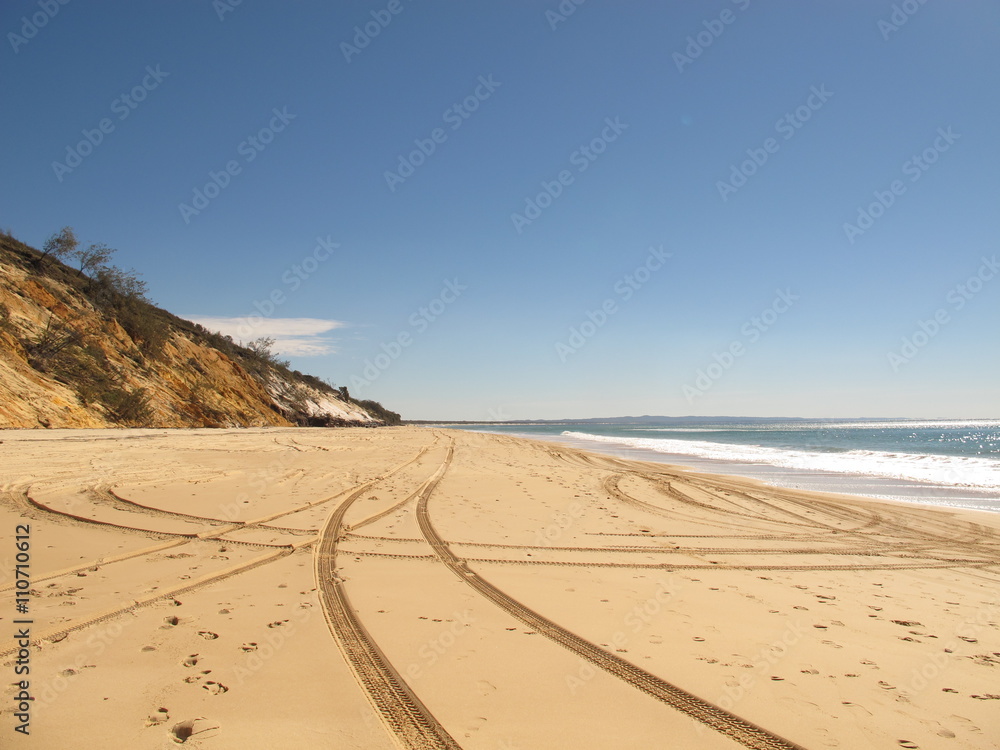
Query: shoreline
x=523 y=593
x=855 y=485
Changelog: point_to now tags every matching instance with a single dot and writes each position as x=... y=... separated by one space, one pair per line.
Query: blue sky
x=704 y=160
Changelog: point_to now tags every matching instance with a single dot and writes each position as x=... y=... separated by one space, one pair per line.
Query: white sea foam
x=810 y=426
x=956 y=471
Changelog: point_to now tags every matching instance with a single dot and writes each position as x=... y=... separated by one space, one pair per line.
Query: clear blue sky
x=864 y=98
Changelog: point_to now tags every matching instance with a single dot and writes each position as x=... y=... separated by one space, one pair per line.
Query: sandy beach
x=425 y=588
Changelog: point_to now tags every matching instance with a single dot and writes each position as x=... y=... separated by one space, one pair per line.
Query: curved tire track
x=172 y=539
x=65 y=629
x=746 y=733
x=176 y=541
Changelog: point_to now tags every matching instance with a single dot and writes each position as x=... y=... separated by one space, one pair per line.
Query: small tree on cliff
x=60 y=245
x=263 y=350
x=115 y=286
x=94 y=258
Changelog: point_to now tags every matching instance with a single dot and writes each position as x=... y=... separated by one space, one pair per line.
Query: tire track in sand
x=65 y=629
x=739 y=729
x=403 y=712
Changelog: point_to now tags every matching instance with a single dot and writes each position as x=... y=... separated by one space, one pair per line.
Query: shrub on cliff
x=380 y=412
x=50 y=343
x=262 y=350
x=127 y=407
x=122 y=296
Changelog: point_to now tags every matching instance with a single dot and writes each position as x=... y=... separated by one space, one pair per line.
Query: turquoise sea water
x=943 y=462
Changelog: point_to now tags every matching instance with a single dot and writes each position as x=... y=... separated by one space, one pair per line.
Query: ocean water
x=942 y=462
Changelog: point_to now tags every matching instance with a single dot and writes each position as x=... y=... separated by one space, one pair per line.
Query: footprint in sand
x=200 y=727
x=475 y=725
x=208 y=635
x=279 y=623
x=249 y=646
x=907 y=743
x=158 y=717
x=190 y=661
x=485 y=688
x=169 y=622
x=215 y=688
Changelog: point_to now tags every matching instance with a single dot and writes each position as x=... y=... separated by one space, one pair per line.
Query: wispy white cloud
x=298 y=337
x=305 y=347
